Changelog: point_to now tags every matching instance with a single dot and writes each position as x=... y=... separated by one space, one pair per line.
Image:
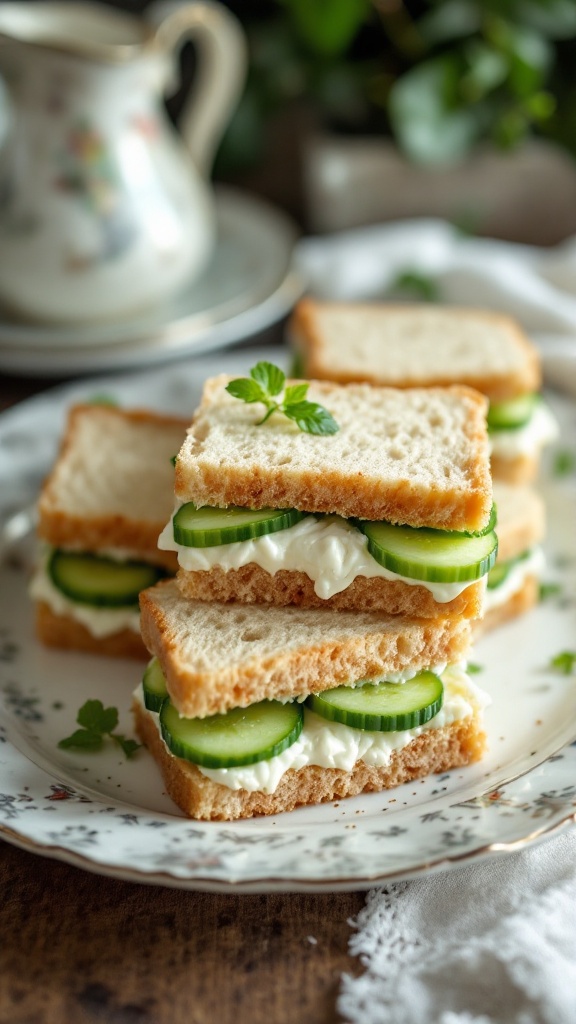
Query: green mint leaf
x=295 y=393
x=128 y=746
x=564 y=662
x=311 y=418
x=96 y=718
x=473 y=668
x=246 y=390
x=549 y=590
x=270 y=378
x=564 y=463
x=82 y=739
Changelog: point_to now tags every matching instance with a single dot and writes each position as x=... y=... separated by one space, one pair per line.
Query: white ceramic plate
x=111 y=815
x=249 y=284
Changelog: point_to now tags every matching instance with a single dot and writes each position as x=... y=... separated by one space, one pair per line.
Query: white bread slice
x=66 y=633
x=112 y=483
x=521 y=519
x=219 y=656
x=418 y=456
x=415 y=345
x=437 y=750
x=521 y=601
x=251 y=584
x=516 y=470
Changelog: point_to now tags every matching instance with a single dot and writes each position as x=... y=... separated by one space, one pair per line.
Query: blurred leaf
x=427 y=121
x=553 y=18
x=328 y=26
x=455 y=19
x=487 y=69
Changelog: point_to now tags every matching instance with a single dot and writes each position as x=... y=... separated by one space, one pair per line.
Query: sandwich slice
x=260 y=710
x=100 y=512
x=430 y=346
x=514 y=581
x=391 y=513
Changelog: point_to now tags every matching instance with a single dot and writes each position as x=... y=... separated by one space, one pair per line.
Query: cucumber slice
x=382 y=707
x=440 y=556
x=101 y=582
x=512 y=414
x=154 y=686
x=238 y=737
x=501 y=570
x=205 y=527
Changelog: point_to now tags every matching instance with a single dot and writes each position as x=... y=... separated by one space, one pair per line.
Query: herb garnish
x=97 y=722
x=564 y=662
x=549 y=590
x=473 y=668
x=564 y=463
x=266 y=385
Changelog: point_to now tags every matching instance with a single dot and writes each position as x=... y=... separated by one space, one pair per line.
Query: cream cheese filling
x=533 y=565
x=329 y=550
x=333 y=745
x=100 y=622
x=540 y=430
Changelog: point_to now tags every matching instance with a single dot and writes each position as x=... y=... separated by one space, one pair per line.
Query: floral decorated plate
x=110 y=815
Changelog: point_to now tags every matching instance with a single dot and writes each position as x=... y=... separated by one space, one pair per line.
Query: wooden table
x=76 y=948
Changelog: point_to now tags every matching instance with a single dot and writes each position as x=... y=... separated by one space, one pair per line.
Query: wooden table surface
x=76 y=948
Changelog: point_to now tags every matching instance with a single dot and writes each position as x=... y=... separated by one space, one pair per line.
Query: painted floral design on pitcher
x=89 y=174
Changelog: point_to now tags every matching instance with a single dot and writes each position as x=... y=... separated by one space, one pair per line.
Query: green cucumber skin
x=424 y=569
x=69 y=572
x=512 y=414
x=154 y=686
x=228 y=533
x=337 y=705
x=500 y=572
x=218 y=757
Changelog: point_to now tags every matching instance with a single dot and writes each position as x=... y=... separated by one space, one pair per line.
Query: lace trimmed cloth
x=492 y=943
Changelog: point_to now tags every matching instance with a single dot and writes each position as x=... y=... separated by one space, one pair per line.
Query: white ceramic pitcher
x=104 y=208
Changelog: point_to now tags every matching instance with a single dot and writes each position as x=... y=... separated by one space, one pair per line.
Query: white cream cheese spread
x=332 y=745
x=100 y=622
x=329 y=550
x=532 y=565
x=540 y=430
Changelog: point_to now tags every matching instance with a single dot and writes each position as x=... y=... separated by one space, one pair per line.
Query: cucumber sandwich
x=514 y=581
x=427 y=346
x=258 y=710
x=100 y=512
x=391 y=512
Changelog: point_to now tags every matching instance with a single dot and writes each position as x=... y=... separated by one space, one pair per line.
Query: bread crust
x=372 y=468
x=305 y=330
x=517 y=604
x=66 y=633
x=522 y=469
x=521 y=520
x=61 y=526
x=316 y=649
x=253 y=585
x=437 y=750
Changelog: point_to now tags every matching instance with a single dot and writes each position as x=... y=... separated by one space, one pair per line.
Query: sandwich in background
x=514 y=581
x=429 y=346
x=392 y=513
x=100 y=512
x=269 y=707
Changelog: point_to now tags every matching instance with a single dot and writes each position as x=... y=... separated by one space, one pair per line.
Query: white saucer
x=249 y=285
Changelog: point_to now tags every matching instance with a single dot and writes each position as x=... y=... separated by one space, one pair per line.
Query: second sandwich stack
x=272 y=526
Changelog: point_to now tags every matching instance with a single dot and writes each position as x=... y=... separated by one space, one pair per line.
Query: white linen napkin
x=537 y=286
x=492 y=943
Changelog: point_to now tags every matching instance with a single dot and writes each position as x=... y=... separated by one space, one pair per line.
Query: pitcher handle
x=219 y=77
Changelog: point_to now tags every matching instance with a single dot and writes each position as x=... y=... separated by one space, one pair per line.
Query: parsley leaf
x=473 y=668
x=266 y=385
x=97 y=722
x=564 y=662
x=549 y=590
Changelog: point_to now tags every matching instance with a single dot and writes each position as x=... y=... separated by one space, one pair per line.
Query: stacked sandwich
x=99 y=515
x=424 y=346
x=313 y=644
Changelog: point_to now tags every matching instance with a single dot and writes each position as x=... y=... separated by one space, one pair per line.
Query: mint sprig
x=97 y=722
x=266 y=384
